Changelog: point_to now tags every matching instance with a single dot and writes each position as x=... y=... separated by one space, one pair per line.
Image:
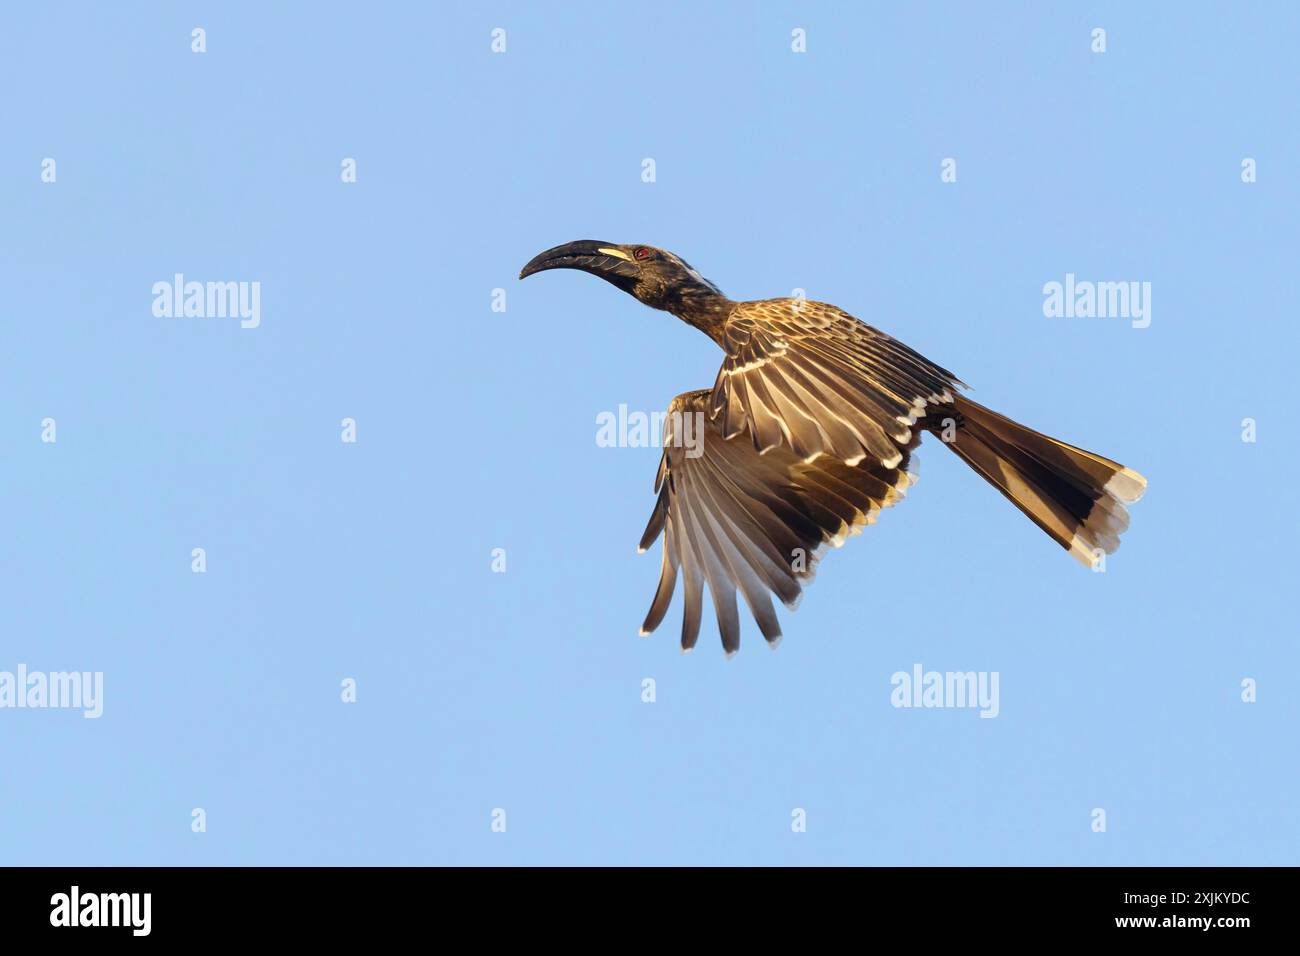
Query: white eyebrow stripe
x=696 y=275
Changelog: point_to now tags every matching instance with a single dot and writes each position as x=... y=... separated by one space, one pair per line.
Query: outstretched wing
x=735 y=519
x=808 y=377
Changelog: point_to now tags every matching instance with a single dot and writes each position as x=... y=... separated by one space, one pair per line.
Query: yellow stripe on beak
x=616 y=253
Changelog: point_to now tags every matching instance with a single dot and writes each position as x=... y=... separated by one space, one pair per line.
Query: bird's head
x=654 y=276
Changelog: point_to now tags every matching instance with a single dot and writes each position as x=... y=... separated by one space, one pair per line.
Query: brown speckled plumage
x=808 y=433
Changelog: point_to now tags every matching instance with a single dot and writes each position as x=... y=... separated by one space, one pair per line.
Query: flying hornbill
x=808 y=433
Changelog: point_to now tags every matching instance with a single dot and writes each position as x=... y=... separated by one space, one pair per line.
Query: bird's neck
x=702 y=307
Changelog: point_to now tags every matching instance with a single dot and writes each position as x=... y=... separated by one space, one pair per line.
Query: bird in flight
x=808 y=432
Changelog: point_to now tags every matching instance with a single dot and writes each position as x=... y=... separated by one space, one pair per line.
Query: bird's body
x=807 y=433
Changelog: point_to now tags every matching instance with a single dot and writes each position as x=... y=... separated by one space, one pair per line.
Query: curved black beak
x=605 y=259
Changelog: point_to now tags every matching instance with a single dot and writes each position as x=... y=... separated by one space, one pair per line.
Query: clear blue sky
x=476 y=430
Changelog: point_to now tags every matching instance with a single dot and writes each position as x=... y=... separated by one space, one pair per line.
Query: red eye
x=642 y=253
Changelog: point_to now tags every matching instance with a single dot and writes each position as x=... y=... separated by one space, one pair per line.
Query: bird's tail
x=1075 y=496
